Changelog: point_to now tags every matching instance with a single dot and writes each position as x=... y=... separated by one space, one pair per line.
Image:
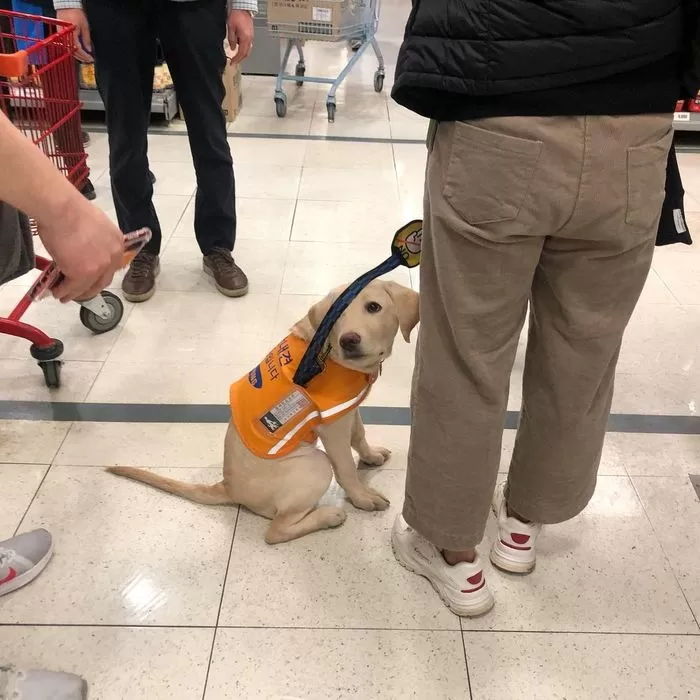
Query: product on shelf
x=161 y=77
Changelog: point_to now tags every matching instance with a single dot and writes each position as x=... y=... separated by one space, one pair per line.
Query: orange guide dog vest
x=274 y=416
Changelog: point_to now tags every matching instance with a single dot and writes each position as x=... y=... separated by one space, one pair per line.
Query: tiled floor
x=153 y=597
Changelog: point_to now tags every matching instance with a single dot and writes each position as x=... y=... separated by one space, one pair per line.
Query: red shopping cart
x=39 y=93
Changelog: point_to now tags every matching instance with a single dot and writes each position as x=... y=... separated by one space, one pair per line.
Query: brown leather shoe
x=139 y=283
x=230 y=280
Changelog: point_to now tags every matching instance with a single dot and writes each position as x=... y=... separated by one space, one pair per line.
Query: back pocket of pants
x=646 y=180
x=488 y=173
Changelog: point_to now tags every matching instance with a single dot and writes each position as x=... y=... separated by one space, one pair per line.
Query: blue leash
x=405 y=250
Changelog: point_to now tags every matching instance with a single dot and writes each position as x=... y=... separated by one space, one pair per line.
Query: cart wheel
x=300 y=72
x=378 y=81
x=330 y=106
x=281 y=107
x=52 y=373
x=98 y=325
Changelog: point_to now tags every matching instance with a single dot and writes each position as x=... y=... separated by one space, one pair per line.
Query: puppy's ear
x=406 y=303
x=306 y=328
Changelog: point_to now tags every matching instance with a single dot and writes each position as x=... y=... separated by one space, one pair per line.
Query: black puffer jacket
x=470 y=58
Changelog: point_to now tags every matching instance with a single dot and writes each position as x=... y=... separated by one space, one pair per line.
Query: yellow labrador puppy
x=271 y=462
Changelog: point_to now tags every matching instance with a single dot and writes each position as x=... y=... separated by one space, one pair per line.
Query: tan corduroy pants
x=557 y=212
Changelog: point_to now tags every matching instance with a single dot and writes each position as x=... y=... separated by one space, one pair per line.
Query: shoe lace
x=6 y=556
x=222 y=258
x=141 y=266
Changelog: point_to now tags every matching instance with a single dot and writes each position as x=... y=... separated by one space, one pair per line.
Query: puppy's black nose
x=350 y=341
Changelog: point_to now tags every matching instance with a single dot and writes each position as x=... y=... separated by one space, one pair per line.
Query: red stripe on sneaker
x=475 y=580
x=474 y=590
x=9 y=576
x=512 y=546
x=518 y=538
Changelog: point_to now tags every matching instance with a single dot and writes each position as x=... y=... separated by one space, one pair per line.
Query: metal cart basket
x=39 y=93
x=324 y=20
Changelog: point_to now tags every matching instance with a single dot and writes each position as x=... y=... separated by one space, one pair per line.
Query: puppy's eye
x=373 y=308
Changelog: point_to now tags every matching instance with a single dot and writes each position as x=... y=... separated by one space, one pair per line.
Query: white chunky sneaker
x=37 y=684
x=22 y=558
x=461 y=587
x=514 y=549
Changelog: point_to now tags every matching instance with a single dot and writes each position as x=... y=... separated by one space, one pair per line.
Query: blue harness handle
x=405 y=250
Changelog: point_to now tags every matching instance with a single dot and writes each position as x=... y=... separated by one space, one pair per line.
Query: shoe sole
x=226 y=292
x=27 y=576
x=138 y=298
x=476 y=611
x=510 y=566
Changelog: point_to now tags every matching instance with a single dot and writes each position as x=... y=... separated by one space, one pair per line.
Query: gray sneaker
x=38 y=684
x=23 y=558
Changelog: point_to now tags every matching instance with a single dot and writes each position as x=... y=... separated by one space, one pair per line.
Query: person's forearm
x=28 y=180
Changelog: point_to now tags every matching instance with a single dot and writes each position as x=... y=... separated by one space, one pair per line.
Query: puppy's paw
x=334 y=517
x=369 y=499
x=376 y=457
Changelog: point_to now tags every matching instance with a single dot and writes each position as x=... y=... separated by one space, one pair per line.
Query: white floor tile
x=30 y=442
x=18 y=484
x=258 y=219
x=330 y=578
x=337 y=184
x=118 y=662
x=144 y=445
x=248 y=151
x=677 y=266
x=316 y=268
x=345 y=222
x=642 y=454
x=194 y=328
x=174 y=180
x=603 y=571
x=663 y=339
x=346 y=125
x=22 y=380
x=125 y=554
x=297 y=124
x=674 y=511
x=663 y=393
x=163 y=148
x=162 y=382
x=349 y=155
x=409 y=129
x=263 y=182
x=322 y=664
x=582 y=666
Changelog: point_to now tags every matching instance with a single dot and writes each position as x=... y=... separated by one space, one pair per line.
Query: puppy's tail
x=208 y=494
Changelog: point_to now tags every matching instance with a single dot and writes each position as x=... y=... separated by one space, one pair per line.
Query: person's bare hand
x=82 y=43
x=87 y=248
x=240 y=34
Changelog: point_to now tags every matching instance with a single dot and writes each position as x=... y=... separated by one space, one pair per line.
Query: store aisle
x=149 y=596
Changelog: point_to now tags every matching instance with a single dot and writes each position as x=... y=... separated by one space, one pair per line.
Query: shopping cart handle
x=405 y=250
x=14 y=65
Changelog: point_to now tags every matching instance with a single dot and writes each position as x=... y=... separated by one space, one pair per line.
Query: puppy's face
x=363 y=336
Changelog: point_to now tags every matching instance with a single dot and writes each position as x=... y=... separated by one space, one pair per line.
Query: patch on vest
x=255 y=378
x=289 y=407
